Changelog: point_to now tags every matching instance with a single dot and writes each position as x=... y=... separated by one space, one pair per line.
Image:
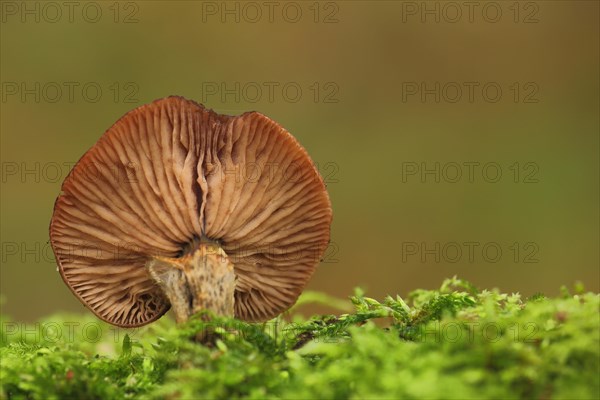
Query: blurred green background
x=355 y=82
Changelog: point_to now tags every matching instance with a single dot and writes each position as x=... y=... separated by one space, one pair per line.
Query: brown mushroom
x=179 y=206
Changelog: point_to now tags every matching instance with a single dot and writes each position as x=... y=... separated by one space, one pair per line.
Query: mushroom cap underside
x=170 y=172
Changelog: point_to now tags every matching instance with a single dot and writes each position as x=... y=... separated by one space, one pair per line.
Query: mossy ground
x=456 y=342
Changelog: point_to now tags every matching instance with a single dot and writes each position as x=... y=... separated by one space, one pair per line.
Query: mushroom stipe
x=178 y=206
x=202 y=280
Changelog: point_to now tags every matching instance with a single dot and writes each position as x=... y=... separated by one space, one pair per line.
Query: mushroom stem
x=201 y=280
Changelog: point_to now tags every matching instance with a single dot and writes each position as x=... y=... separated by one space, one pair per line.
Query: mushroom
x=178 y=206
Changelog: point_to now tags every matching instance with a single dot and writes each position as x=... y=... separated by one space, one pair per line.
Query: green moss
x=455 y=342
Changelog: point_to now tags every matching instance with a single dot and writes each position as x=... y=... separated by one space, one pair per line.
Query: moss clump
x=455 y=342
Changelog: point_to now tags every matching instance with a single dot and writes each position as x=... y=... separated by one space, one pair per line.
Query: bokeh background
x=355 y=82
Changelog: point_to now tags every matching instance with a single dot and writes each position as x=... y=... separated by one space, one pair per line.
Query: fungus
x=178 y=206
